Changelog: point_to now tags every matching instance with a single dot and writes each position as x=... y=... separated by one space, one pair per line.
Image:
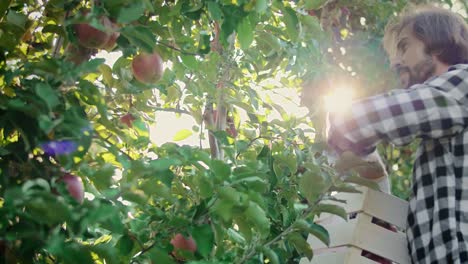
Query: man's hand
x=370 y=167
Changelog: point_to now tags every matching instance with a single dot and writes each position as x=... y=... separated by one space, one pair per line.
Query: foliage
x=250 y=196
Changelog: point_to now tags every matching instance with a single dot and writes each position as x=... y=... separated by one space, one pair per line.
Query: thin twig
x=177 y=49
x=173 y=110
x=112 y=144
x=59 y=42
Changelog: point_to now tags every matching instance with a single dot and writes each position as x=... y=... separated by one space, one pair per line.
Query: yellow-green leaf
x=182 y=134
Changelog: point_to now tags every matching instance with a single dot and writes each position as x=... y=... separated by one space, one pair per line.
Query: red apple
x=181 y=243
x=74 y=186
x=110 y=44
x=91 y=37
x=78 y=54
x=127 y=119
x=147 y=68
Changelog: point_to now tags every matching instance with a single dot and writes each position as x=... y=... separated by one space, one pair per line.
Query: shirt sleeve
x=435 y=109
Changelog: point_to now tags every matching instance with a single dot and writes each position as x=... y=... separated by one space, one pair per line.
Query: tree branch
x=173 y=110
x=177 y=49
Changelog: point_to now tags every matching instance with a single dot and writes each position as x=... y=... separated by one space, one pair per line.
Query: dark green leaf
x=46 y=93
x=204 y=238
x=159 y=256
x=361 y=181
x=106 y=252
x=331 y=209
x=215 y=12
x=271 y=255
x=316 y=230
x=17 y=19
x=3 y=8
x=220 y=169
x=102 y=178
x=125 y=244
x=301 y=244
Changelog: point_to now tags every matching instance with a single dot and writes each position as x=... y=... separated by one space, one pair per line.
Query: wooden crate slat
x=351 y=255
x=381 y=205
x=362 y=233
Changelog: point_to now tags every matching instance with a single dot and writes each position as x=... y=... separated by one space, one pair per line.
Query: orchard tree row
x=81 y=181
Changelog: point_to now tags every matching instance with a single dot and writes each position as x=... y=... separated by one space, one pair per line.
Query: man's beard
x=417 y=74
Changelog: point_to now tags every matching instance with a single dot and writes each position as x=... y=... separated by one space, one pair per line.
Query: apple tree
x=82 y=182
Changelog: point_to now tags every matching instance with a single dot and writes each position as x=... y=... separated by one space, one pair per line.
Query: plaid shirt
x=437 y=112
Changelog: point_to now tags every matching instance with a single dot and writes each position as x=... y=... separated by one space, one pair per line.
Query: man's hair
x=443 y=32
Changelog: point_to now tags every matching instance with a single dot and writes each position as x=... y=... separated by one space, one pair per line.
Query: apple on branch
x=91 y=37
x=74 y=186
x=127 y=119
x=147 y=67
x=182 y=243
x=110 y=44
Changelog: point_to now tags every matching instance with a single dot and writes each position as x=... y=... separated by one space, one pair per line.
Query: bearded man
x=429 y=49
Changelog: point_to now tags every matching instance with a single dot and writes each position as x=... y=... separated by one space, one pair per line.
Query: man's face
x=412 y=63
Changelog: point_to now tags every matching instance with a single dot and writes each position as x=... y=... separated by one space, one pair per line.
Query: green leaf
x=46 y=93
x=139 y=36
x=3 y=8
x=316 y=230
x=132 y=12
x=46 y=208
x=204 y=238
x=301 y=244
x=106 y=252
x=313 y=184
x=314 y=4
x=271 y=255
x=256 y=215
x=244 y=227
x=17 y=19
x=261 y=6
x=361 y=181
x=102 y=178
x=215 y=12
x=182 y=134
x=163 y=164
x=190 y=61
x=223 y=208
x=220 y=169
x=125 y=244
x=157 y=189
x=245 y=33
x=70 y=252
x=331 y=209
x=343 y=187
x=159 y=256
x=106 y=72
x=291 y=21
x=236 y=236
x=137 y=196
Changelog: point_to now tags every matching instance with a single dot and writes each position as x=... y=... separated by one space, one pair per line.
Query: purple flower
x=59 y=147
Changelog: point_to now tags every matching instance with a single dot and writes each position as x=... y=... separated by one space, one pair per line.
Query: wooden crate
x=378 y=204
x=348 y=255
x=349 y=238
